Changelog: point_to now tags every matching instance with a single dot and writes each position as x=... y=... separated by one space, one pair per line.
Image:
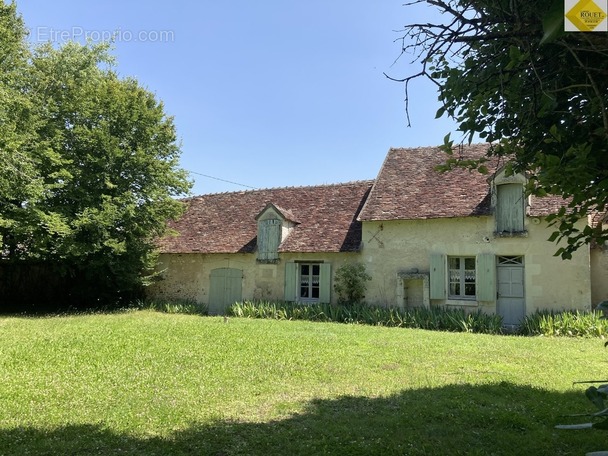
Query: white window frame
x=293 y=282
x=306 y=291
x=461 y=284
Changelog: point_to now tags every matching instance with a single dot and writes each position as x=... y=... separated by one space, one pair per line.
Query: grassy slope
x=151 y=383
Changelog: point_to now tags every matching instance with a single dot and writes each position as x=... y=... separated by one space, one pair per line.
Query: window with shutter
x=308 y=282
x=269 y=238
x=510 y=208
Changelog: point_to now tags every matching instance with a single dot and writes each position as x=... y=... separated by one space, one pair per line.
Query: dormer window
x=509 y=203
x=269 y=238
x=274 y=225
x=510 y=208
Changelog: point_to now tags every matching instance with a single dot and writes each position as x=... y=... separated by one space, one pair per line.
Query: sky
x=265 y=94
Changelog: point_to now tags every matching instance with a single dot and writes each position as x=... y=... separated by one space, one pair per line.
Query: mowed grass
x=151 y=383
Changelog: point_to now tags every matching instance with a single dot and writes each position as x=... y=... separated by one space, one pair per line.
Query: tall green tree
x=508 y=73
x=102 y=159
x=19 y=181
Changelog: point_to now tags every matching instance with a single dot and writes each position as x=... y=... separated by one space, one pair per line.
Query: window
x=269 y=238
x=510 y=208
x=510 y=260
x=461 y=277
x=307 y=282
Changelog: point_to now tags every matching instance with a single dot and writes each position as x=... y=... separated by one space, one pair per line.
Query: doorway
x=510 y=302
x=226 y=288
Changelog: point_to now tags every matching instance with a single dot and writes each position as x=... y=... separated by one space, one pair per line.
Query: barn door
x=226 y=288
x=511 y=304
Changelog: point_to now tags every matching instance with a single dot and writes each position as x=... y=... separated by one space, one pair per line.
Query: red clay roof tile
x=409 y=187
x=226 y=222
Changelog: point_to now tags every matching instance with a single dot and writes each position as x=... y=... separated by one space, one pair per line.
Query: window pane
x=316 y=269
x=454 y=263
x=469 y=276
x=305 y=269
x=469 y=263
x=455 y=289
x=454 y=275
x=469 y=289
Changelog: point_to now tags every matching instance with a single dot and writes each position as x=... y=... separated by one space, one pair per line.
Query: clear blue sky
x=266 y=94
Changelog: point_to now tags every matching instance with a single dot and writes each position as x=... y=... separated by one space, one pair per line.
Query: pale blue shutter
x=269 y=238
x=438 y=277
x=510 y=208
x=291 y=282
x=486 y=277
x=325 y=283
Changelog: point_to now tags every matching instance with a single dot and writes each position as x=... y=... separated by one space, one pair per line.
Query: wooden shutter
x=291 y=282
x=486 y=277
x=269 y=238
x=438 y=277
x=510 y=208
x=325 y=283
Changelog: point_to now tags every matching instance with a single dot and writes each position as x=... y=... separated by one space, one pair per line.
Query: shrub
x=567 y=323
x=350 y=283
x=435 y=318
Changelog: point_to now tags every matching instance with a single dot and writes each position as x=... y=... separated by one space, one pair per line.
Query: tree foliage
x=90 y=165
x=506 y=72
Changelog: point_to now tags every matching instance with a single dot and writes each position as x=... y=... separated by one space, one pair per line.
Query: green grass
x=147 y=383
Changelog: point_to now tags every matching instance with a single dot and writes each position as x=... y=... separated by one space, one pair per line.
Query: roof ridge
x=288 y=187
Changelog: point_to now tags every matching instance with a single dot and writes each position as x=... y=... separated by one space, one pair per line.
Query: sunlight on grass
x=142 y=379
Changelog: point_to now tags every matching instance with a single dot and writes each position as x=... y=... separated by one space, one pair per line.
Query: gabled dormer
x=509 y=203
x=274 y=225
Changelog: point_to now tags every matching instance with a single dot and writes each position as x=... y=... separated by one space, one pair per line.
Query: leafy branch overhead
x=507 y=73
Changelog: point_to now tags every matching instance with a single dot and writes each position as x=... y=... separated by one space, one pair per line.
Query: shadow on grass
x=496 y=419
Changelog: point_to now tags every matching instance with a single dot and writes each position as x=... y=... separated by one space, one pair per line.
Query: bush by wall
x=350 y=283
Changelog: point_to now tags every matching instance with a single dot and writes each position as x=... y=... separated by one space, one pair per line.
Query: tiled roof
x=226 y=222
x=328 y=217
x=409 y=187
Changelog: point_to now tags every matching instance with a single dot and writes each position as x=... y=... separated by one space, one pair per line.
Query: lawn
x=152 y=383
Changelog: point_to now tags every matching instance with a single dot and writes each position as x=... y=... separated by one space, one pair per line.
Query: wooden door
x=226 y=288
x=511 y=299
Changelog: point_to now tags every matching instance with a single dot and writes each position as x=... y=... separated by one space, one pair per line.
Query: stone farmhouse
x=459 y=239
